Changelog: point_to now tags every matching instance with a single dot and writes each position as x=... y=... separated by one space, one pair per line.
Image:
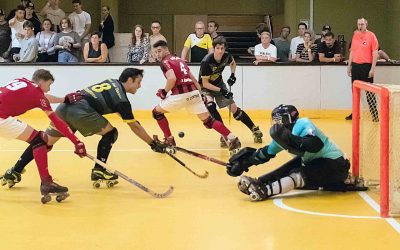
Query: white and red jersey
x=183 y=82
x=21 y=95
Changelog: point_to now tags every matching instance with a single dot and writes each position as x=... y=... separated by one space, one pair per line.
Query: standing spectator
x=362 y=61
x=29 y=45
x=306 y=51
x=37 y=26
x=46 y=40
x=95 y=51
x=5 y=36
x=80 y=21
x=106 y=27
x=139 y=49
x=53 y=12
x=212 y=27
x=199 y=43
x=297 y=40
x=329 y=49
x=325 y=29
x=68 y=43
x=283 y=45
x=17 y=31
x=265 y=51
x=155 y=37
x=24 y=3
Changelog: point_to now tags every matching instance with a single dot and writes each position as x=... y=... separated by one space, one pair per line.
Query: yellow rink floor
x=200 y=214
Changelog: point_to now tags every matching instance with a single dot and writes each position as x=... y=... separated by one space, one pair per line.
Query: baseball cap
x=326 y=27
x=2 y=12
x=30 y=5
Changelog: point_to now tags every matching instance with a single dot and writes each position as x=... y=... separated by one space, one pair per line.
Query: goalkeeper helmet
x=285 y=114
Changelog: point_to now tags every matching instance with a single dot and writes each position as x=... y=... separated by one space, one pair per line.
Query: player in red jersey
x=185 y=93
x=16 y=98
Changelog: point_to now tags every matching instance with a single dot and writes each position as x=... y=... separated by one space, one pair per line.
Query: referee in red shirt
x=362 y=61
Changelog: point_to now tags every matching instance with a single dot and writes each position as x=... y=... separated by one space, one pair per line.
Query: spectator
x=95 y=51
x=325 y=29
x=260 y=28
x=17 y=31
x=29 y=45
x=265 y=51
x=53 y=12
x=199 y=43
x=68 y=43
x=384 y=57
x=306 y=51
x=106 y=27
x=297 y=40
x=155 y=37
x=80 y=21
x=46 y=40
x=139 y=49
x=5 y=36
x=329 y=49
x=24 y=3
x=283 y=45
x=212 y=27
x=37 y=26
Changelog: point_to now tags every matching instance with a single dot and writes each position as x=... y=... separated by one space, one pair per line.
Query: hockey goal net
x=376 y=141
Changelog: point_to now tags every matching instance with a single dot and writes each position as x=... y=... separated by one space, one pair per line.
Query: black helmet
x=285 y=114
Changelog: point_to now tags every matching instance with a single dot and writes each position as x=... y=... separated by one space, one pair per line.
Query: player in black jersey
x=215 y=90
x=84 y=110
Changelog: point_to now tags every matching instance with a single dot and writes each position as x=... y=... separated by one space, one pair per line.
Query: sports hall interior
x=206 y=213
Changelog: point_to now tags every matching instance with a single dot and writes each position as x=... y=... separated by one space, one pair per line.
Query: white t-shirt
x=259 y=50
x=79 y=21
x=293 y=45
x=15 y=29
x=55 y=16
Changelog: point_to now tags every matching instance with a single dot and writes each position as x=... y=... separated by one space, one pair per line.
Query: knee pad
x=212 y=108
x=297 y=178
x=238 y=114
x=109 y=138
x=158 y=115
x=208 y=123
x=39 y=140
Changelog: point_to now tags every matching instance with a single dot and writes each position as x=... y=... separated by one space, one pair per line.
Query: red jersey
x=21 y=95
x=183 y=82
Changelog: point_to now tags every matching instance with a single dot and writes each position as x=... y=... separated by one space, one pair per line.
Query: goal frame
x=384 y=138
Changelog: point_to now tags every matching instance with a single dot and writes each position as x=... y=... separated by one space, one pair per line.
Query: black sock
x=240 y=115
x=104 y=146
x=25 y=158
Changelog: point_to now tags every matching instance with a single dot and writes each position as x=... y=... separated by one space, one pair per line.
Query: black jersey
x=108 y=97
x=212 y=69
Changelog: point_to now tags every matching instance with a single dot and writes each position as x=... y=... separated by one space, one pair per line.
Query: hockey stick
x=203 y=176
x=229 y=108
x=201 y=156
x=137 y=184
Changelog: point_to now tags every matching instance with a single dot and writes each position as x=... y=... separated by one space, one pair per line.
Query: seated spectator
x=47 y=45
x=329 y=49
x=139 y=49
x=383 y=57
x=37 y=26
x=95 y=51
x=52 y=11
x=212 y=27
x=199 y=44
x=294 y=43
x=155 y=37
x=80 y=20
x=29 y=45
x=17 y=31
x=106 y=27
x=5 y=37
x=306 y=51
x=265 y=51
x=23 y=3
x=68 y=43
x=283 y=45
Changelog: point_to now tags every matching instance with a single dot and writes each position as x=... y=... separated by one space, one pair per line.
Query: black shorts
x=221 y=101
x=79 y=116
x=360 y=72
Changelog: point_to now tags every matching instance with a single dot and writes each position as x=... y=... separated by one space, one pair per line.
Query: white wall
x=257 y=87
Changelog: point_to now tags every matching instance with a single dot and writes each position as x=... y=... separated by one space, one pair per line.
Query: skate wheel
x=96 y=184
x=11 y=184
x=110 y=184
x=170 y=150
x=254 y=197
x=3 y=182
x=46 y=198
x=59 y=198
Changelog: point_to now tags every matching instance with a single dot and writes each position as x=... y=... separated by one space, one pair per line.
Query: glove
x=80 y=149
x=73 y=97
x=158 y=146
x=232 y=79
x=226 y=93
x=161 y=93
